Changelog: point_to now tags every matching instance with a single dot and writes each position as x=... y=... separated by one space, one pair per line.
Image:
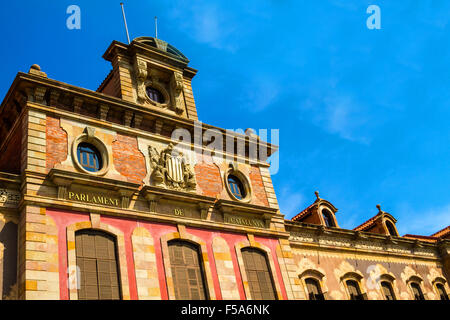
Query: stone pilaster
x=268 y=186
x=289 y=271
x=34 y=142
x=145 y=264
x=38 y=256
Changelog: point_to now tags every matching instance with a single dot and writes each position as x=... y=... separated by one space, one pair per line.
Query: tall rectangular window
x=97 y=260
x=187 y=271
x=259 y=278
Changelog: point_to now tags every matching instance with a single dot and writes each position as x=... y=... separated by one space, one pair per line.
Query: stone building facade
x=99 y=201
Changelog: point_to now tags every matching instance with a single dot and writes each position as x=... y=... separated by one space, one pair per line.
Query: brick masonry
x=56 y=142
x=128 y=159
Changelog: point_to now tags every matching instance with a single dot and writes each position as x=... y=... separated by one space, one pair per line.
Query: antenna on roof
x=125 y=21
x=156 y=27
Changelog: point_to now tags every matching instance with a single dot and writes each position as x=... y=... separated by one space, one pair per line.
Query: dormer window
x=328 y=218
x=155 y=95
x=391 y=229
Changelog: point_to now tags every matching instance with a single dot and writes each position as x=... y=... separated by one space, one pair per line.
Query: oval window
x=89 y=157
x=236 y=187
x=155 y=95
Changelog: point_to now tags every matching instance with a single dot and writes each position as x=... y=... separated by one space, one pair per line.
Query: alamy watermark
x=73 y=22
x=374 y=20
x=211 y=145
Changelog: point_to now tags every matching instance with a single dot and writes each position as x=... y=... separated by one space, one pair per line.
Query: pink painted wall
x=63 y=219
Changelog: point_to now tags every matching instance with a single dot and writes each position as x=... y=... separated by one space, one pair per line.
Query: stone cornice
x=24 y=81
x=63 y=178
x=146 y=216
x=162 y=193
x=228 y=206
x=302 y=234
x=10 y=178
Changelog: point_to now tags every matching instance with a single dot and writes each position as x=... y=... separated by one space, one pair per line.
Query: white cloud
x=291 y=203
x=259 y=94
x=338 y=114
x=206 y=22
x=425 y=222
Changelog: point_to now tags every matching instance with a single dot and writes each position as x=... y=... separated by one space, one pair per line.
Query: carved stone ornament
x=177 y=89
x=171 y=169
x=141 y=76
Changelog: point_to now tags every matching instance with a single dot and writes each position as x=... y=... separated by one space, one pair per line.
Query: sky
x=363 y=113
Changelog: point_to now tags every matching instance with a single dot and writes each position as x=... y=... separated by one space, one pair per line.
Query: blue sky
x=363 y=114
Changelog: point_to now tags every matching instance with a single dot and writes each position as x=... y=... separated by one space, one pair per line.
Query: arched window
x=89 y=157
x=417 y=291
x=354 y=291
x=391 y=229
x=259 y=278
x=187 y=271
x=314 y=289
x=236 y=187
x=97 y=259
x=441 y=290
x=388 y=291
x=328 y=218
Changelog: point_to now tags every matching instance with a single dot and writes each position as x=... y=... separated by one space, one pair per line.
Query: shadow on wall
x=8 y=271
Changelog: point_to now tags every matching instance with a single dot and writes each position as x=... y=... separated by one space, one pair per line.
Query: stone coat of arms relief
x=171 y=169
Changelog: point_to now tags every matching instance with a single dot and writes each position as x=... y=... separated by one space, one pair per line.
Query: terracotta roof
x=423 y=238
x=442 y=233
x=367 y=224
x=108 y=77
x=304 y=213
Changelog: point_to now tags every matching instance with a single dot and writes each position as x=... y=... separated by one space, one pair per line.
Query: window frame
x=243 y=179
x=267 y=265
x=329 y=217
x=390 y=226
x=390 y=288
x=183 y=235
x=441 y=282
x=320 y=295
x=358 y=279
x=416 y=281
x=153 y=92
x=98 y=144
x=201 y=268
x=96 y=157
x=71 y=256
x=111 y=237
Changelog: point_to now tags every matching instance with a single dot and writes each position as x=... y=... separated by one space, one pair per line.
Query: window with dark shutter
x=97 y=260
x=259 y=278
x=387 y=290
x=314 y=290
x=418 y=295
x=442 y=293
x=187 y=271
x=354 y=291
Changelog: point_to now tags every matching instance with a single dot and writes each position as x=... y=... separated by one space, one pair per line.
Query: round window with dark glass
x=155 y=95
x=236 y=187
x=89 y=157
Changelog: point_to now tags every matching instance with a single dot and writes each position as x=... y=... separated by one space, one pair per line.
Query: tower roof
x=162 y=46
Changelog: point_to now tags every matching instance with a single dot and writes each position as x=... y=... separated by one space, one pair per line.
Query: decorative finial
x=317 y=195
x=36 y=70
x=156 y=27
x=379 y=209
